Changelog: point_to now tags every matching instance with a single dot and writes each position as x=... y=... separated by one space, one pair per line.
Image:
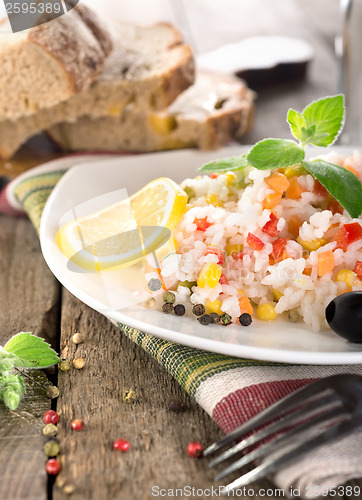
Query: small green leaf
x=342 y=184
x=225 y=164
x=296 y=124
x=323 y=121
x=32 y=351
x=275 y=153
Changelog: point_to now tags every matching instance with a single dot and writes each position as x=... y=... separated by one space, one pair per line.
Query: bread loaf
x=148 y=68
x=47 y=64
x=207 y=115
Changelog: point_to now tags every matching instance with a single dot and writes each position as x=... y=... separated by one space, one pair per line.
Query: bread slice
x=148 y=67
x=47 y=64
x=207 y=115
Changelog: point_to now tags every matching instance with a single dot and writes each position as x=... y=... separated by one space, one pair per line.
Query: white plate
x=117 y=294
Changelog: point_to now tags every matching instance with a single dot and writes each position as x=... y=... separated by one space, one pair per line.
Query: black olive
x=344 y=316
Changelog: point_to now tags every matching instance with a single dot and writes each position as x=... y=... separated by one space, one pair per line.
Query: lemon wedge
x=121 y=234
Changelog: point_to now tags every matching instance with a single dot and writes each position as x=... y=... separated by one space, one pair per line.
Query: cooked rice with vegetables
x=267 y=243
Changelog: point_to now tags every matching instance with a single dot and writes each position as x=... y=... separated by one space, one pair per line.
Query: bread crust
x=79 y=44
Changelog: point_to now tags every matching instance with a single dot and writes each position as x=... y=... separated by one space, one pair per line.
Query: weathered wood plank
x=29 y=297
x=157 y=435
x=29 y=293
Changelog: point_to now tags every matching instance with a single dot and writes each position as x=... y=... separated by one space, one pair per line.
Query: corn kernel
x=311 y=246
x=162 y=124
x=347 y=276
x=277 y=295
x=213 y=199
x=293 y=171
x=266 y=312
x=231 y=249
x=213 y=307
x=209 y=275
x=230 y=178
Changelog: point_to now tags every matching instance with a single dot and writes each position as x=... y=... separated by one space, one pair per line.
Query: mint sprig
x=225 y=165
x=275 y=153
x=23 y=350
x=342 y=184
x=319 y=124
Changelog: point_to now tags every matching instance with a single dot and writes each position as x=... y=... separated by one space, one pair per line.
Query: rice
x=278 y=265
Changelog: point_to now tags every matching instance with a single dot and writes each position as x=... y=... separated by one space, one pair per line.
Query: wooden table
x=31 y=299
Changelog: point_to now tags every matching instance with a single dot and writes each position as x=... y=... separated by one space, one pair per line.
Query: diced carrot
x=271 y=226
x=279 y=253
x=254 y=242
x=351 y=169
x=214 y=176
x=294 y=224
x=307 y=271
x=272 y=199
x=334 y=206
x=295 y=190
x=245 y=305
x=278 y=182
x=325 y=262
x=358 y=269
x=319 y=189
x=202 y=224
x=347 y=234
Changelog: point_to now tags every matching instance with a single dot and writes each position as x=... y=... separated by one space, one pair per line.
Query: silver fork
x=327 y=410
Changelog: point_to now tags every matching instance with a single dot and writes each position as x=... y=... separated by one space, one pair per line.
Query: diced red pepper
x=334 y=206
x=271 y=226
x=347 y=234
x=202 y=224
x=217 y=252
x=279 y=253
x=254 y=242
x=238 y=255
x=223 y=280
x=319 y=190
x=214 y=176
x=358 y=269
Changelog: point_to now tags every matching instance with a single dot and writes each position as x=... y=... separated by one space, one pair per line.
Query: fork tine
x=288 y=419
x=281 y=440
x=273 y=465
x=272 y=411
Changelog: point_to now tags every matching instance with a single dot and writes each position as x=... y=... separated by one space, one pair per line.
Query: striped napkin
x=230 y=390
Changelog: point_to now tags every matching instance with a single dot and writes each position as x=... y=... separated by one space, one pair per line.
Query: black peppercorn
x=205 y=319
x=215 y=318
x=167 y=308
x=179 y=310
x=245 y=319
x=198 y=309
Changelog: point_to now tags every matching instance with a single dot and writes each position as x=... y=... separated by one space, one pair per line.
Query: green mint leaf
x=342 y=184
x=225 y=165
x=296 y=123
x=32 y=351
x=323 y=121
x=275 y=153
x=12 y=389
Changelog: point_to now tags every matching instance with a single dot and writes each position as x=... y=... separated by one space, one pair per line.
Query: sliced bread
x=213 y=111
x=47 y=64
x=148 y=67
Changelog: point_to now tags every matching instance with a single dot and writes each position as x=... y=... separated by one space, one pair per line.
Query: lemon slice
x=121 y=234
